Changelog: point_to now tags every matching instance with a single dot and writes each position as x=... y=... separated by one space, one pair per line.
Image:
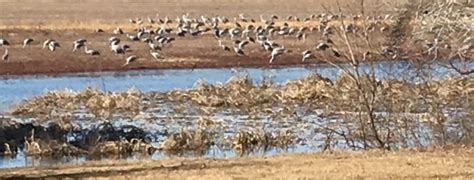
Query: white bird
x=27 y=42
x=91 y=52
x=322 y=46
x=77 y=46
x=267 y=46
x=4 y=42
x=234 y=32
x=114 y=40
x=151 y=21
x=224 y=47
x=276 y=52
x=46 y=43
x=239 y=51
x=156 y=55
x=139 y=35
x=117 y=49
x=118 y=31
x=154 y=46
x=5 y=55
x=52 y=45
x=81 y=41
x=242 y=17
x=147 y=40
x=133 y=38
x=301 y=36
x=131 y=59
x=125 y=47
x=307 y=55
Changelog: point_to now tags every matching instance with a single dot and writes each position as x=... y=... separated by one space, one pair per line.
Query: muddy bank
x=184 y=53
x=53 y=67
x=435 y=163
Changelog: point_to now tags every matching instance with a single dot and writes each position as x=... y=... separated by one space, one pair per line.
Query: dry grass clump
x=49 y=148
x=240 y=93
x=244 y=141
x=186 y=140
x=312 y=87
x=101 y=104
x=122 y=148
x=237 y=92
x=247 y=141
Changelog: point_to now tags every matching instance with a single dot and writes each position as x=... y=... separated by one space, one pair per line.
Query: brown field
x=66 y=21
x=457 y=164
x=15 y=12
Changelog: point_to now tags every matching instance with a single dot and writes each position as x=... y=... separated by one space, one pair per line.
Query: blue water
x=14 y=89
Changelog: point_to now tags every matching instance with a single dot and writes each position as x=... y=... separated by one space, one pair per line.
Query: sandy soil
x=371 y=164
x=43 y=11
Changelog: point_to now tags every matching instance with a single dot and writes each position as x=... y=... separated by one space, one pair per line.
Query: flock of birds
x=242 y=31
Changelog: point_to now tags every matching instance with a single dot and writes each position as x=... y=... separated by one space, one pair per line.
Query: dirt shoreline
x=457 y=163
x=184 y=53
x=66 y=22
x=38 y=68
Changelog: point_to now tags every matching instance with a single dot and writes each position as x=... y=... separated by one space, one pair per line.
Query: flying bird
x=276 y=52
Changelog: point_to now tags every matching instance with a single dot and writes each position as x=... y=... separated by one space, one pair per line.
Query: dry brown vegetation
x=398 y=110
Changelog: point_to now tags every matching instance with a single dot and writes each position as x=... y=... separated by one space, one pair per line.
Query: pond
x=14 y=89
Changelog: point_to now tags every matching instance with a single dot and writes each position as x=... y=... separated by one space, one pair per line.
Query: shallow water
x=14 y=89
